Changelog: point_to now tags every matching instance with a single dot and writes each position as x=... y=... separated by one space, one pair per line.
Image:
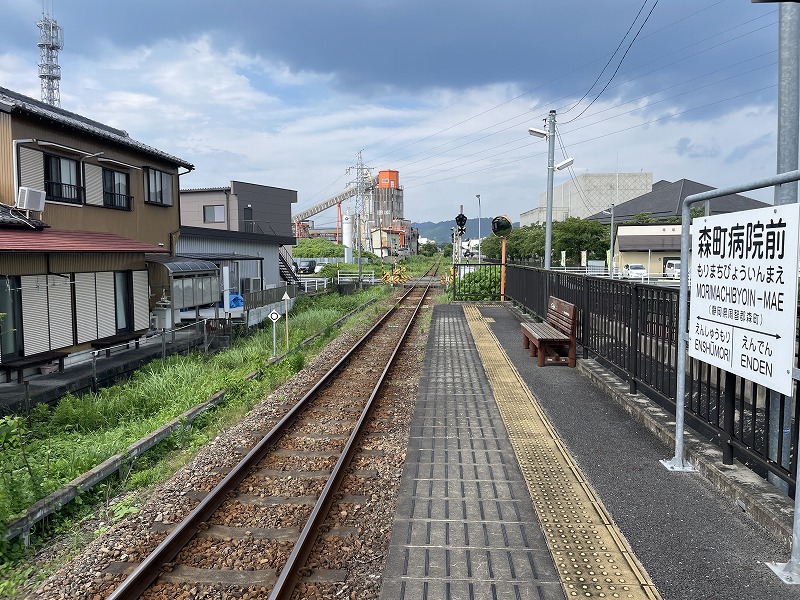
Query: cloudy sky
x=287 y=93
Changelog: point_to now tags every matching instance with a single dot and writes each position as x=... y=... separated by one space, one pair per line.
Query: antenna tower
x=51 y=40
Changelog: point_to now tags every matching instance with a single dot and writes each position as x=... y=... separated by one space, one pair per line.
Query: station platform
x=540 y=482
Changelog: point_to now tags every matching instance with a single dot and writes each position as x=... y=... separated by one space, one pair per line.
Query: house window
x=115 y=190
x=11 y=319
x=214 y=213
x=159 y=187
x=62 y=179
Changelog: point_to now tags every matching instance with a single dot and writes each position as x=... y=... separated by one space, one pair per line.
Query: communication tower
x=51 y=40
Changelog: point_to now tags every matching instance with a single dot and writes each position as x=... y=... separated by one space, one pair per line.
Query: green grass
x=54 y=445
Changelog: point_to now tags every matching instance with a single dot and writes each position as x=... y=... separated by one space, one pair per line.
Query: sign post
x=286 y=299
x=274 y=316
x=742 y=316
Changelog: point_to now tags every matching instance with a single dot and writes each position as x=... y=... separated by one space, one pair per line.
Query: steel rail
x=140 y=579
x=287 y=580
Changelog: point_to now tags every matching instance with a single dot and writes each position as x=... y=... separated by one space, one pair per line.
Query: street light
x=478 y=196
x=550 y=134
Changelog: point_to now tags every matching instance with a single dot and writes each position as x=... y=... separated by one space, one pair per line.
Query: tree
x=428 y=249
x=575 y=235
x=318 y=248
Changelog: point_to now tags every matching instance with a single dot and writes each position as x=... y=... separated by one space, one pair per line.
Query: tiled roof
x=18 y=102
x=665 y=201
x=59 y=240
x=10 y=217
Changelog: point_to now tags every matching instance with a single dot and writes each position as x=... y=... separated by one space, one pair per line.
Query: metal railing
x=352 y=277
x=474 y=282
x=268 y=296
x=632 y=328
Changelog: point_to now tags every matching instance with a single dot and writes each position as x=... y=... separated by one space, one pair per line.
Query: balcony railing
x=118 y=201
x=64 y=192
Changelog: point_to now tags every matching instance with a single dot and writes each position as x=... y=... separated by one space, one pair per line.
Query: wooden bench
x=34 y=360
x=553 y=341
x=116 y=340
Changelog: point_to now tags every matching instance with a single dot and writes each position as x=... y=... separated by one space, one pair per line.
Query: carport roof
x=182 y=265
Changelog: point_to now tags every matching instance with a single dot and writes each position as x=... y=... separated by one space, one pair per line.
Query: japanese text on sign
x=743 y=293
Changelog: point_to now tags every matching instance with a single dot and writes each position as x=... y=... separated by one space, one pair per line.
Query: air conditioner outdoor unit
x=251 y=284
x=30 y=199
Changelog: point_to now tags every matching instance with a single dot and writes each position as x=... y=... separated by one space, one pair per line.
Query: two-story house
x=82 y=206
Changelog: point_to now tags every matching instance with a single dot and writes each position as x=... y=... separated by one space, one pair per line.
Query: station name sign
x=743 y=289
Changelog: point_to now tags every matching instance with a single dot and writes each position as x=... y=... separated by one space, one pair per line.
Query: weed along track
x=288 y=519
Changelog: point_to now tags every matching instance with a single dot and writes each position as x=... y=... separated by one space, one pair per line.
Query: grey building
x=588 y=194
x=244 y=228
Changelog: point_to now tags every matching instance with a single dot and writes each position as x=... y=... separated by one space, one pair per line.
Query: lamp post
x=550 y=134
x=478 y=196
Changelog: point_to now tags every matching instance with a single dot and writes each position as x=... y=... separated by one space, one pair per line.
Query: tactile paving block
x=592 y=557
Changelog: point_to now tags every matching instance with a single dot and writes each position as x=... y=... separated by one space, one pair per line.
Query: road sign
x=274 y=316
x=743 y=289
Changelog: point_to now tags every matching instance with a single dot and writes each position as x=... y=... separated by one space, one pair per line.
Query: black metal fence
x=632 y=328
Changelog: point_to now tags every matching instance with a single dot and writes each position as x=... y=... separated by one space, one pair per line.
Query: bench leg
x=19 y=375
x=108 y=352
x=571 y=360
x=542 y=354
x=526 y=343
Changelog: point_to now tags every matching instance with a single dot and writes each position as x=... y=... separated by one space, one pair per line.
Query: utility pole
x=551 y=150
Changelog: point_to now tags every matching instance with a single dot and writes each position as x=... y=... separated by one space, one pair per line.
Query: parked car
x=634 y=271
x=672 y=269
x=306 y=267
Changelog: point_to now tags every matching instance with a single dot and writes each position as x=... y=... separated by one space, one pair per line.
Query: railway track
x=267 y=527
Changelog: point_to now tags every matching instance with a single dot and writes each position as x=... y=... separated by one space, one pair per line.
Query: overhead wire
x=605 y=87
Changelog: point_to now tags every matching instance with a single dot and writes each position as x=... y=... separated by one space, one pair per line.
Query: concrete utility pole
x=551 y=150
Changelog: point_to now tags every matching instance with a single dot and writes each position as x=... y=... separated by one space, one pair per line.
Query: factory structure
x=374 y=223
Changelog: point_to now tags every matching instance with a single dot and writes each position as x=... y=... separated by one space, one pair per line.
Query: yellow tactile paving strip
x=592 y=557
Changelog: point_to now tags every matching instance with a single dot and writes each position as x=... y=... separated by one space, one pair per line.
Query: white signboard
x=274 y=316
x=743 y=289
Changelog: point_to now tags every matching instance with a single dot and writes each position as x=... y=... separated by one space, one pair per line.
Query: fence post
x=727 y=418
x=94 y=371
x=585 y=318
x=633 y=343
x=163 y=345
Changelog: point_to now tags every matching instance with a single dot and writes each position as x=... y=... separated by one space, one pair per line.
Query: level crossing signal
x=461 y=222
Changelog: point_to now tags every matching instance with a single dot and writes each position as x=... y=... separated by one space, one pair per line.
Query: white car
x=634 y=271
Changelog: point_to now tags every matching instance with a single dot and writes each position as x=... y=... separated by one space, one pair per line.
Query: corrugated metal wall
x=6 y=161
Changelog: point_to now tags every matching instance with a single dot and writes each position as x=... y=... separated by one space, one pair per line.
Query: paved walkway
x=462 y=479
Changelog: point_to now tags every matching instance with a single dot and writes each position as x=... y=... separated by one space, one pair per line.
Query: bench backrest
x=561 y=315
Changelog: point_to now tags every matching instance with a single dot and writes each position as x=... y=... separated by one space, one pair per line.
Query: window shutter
x=141 y=301
x=31 y=168
x=35 y=326
x=106 y=308
x=94 y=184
x=59 y=300
x=85 y=307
